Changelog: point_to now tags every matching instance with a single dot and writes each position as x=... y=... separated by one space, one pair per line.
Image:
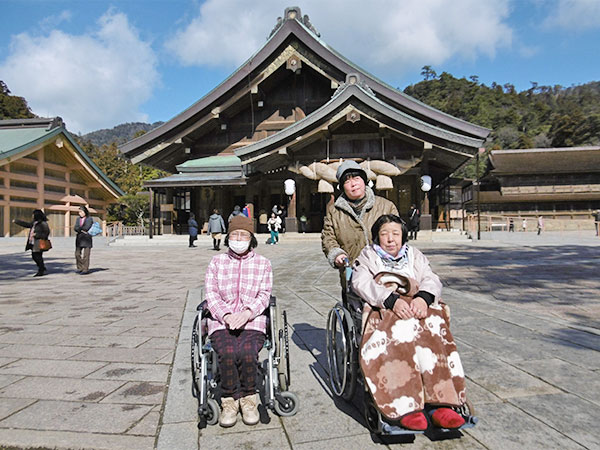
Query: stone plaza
x=101 y=361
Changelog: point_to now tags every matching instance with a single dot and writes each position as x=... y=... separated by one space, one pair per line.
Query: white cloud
x=92 y=81
x=387 y=35
x=574 y=14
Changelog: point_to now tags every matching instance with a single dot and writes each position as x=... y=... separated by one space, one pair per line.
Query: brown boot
x=230 y=408
x=249 y=407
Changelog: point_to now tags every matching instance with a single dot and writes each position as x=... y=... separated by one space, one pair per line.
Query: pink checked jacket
x=234 y=283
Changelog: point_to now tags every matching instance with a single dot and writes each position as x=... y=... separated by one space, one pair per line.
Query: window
x=54 y=174
x=23 y=184
x=54 y=189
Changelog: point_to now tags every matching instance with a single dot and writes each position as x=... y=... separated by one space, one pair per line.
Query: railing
x=116 y=230
x=570 y=221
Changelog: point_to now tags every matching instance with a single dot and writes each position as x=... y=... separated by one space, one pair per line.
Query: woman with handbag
x=37 y=238
x=83 y=241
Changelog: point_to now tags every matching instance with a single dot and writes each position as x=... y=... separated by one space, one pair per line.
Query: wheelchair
x=344 y=331
x=275 y=370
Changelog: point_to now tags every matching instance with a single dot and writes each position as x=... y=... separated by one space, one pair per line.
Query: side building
x=42 y=167
x=560 y=184
x=289 y=114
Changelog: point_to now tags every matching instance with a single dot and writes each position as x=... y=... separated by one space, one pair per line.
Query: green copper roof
x=18 y=135
x=211 y=163
x=12 y=140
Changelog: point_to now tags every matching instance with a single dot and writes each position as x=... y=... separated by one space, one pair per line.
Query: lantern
x=425 y=183
x=289 y=186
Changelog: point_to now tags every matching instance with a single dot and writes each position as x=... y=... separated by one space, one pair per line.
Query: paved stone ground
x=87 y=361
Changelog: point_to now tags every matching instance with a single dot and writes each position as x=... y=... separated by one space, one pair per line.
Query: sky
x=98 y=63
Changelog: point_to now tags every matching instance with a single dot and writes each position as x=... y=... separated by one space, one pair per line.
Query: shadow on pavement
x=20 y=265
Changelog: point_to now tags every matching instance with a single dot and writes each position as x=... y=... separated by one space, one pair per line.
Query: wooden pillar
x=68 y=212
x=292 y=206
x=151 y=227
x=40 y=175
x=7 y=217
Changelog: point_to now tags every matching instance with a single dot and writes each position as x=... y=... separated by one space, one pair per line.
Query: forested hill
x=11 y=106
x=119 y=134
x=542 y=116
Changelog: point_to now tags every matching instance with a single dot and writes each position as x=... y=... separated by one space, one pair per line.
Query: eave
x=357 y=97
x=208 y=108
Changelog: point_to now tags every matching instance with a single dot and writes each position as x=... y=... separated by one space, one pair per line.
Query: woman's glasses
x=239 y=235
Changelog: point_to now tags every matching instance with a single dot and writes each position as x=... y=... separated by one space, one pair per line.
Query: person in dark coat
x=414 y=219
x=192 y=229
x=83 y=240
x=38 y=229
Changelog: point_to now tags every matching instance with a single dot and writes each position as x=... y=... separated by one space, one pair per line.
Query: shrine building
x=293 y=111
x=42 y=167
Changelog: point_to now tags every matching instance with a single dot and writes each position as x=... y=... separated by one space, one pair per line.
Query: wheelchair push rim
x=340 y=353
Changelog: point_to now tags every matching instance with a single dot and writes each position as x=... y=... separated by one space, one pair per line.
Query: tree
x=12 y=107
x=428 y=73
x=131 y=209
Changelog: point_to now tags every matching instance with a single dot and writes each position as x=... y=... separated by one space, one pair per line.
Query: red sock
x=415 y=421
x=447 y=418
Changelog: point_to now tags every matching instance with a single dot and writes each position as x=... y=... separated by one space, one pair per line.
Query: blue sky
x=99 y=63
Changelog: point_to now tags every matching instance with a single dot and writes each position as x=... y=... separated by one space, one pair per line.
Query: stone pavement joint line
x=102 y=361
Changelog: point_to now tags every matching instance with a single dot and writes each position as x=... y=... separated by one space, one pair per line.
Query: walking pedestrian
x=303 y=221
x=236 y=211
x=524 y=225
x=38 y=232
x=83 y=241
x=216 y=226
x=414 y=222
x=274 y=225
x=192 y=229
x=511 y=225
x=596 y=216
x=540 y=225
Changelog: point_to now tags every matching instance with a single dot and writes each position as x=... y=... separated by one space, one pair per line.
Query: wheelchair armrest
x=205 y=312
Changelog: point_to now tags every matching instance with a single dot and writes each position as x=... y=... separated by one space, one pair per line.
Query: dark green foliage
x=129 y=177
x=12 y=107
x=132 y=209
x=541 y=116
x=119 y=134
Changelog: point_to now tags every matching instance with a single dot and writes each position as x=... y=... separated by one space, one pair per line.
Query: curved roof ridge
x=361 y=85
x=279 y=36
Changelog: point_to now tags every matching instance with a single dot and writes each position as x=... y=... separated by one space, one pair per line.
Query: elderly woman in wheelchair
x=237 y=318
x=407 y=355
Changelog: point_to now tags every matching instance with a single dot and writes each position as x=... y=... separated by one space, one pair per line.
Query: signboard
x=166 y=207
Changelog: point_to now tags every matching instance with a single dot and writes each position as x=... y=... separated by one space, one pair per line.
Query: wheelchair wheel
x=283 y=353
x=195 y=357
x=213 y=412
x=372 y=417
x=289 y=406
x=341 y=352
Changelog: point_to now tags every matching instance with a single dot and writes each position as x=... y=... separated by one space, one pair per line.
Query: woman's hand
x=418 y=306
x=339 y=259
x=402 y=309
x=235 y=321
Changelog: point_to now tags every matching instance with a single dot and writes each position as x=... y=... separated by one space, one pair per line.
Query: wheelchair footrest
x=387 y=428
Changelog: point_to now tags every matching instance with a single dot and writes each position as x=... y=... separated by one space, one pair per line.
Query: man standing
x=347 y=225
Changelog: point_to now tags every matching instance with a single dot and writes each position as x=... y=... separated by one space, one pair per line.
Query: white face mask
x=239 y=247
